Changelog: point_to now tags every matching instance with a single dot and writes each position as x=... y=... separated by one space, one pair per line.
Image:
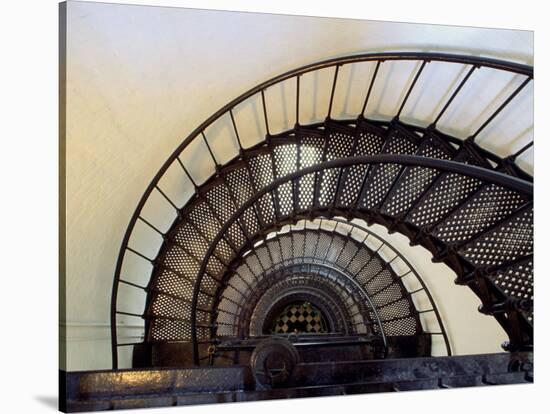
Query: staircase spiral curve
x=279 y=223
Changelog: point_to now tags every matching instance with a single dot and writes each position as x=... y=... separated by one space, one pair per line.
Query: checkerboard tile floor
x=300 y=318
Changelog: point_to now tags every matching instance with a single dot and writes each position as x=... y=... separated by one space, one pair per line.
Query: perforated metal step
x=453 y=207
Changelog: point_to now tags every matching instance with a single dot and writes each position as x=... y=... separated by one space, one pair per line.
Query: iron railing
x=424 y=59
x=485 y=175
x=378 y=245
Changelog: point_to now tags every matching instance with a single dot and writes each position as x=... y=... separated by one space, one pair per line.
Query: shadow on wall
x=50 y=401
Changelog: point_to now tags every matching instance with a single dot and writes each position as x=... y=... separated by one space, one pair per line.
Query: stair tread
x=443 y=204
x=381 y=176
x=491 y=205
x=510 y=241
x=447 y=193
x=414 y=181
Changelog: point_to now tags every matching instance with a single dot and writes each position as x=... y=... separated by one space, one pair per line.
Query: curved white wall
x=139 y=79
x=469 y=331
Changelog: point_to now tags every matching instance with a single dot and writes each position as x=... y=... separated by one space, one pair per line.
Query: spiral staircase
x=260 y=268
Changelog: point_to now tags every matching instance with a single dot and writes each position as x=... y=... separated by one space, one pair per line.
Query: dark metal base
x=312 y=348
x=108 y=390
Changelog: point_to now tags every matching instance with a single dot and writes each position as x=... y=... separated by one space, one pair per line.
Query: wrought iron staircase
x=280 y=223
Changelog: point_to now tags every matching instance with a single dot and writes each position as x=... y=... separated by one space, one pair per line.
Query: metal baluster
x=411 y=88
x=522 y=150
x=501 y=107
x=133 y=284
x=151 y=226
x=216 y=164
x=130 y=314
x=453 y=96
x=166 y=198
x=297 y=100
x=370 y=87
x=241 y=149
x=332 y=91
x=140 y=255
x=193 y=182
x=265 y=114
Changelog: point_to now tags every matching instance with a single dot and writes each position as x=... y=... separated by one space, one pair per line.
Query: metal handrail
x=415 y=273
x=489 y=176
x=383 y=242
x=358 y=287
x=475 y=62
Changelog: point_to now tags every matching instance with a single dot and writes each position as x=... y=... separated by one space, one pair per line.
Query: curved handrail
x=490 y=176
x=383 y=242
x=359 y=288
x=415 y=273
x=475 y=62
x=355 y=284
